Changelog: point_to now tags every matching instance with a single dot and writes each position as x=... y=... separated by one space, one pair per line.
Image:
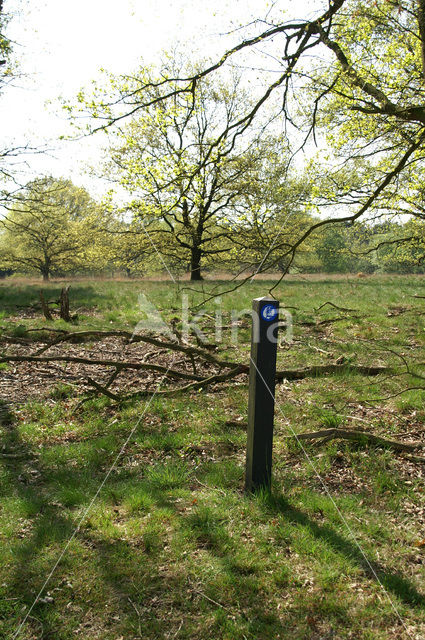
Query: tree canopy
x=48 y=228
x=189 y=189
x=352 y=75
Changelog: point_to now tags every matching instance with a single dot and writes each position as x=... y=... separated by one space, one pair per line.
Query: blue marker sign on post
x=262 y=376
x=269 y=312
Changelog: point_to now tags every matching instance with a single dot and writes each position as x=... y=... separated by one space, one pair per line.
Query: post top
x=266 y=308
x=267 y=299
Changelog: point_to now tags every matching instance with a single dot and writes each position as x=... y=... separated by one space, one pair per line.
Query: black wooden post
x=262 y=376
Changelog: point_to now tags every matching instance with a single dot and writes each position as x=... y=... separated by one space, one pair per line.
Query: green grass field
x=167 y=545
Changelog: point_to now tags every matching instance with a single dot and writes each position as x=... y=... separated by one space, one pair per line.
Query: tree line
x=206 y=160
x=55 y=228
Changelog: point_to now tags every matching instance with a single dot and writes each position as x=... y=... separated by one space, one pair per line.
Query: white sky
x=62 y=45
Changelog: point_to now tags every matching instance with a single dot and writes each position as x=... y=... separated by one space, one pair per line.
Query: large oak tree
x=187 y=182
x=358 y=71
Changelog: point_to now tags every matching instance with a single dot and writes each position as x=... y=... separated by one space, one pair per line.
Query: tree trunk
x=421 y=24
x=45 y=307
x=64 y=305
x=45 y=270
x=195 y=264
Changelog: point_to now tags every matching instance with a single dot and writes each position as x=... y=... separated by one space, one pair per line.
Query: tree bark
x=361 y=437
x=64 y=305
x=45 y=307
x=195 y=264
x=421 y=25
x=45 y=269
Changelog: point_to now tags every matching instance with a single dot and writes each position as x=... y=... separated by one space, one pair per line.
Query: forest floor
x=124 y=518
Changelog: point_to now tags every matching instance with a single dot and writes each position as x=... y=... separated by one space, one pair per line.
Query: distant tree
x=119 y=243
x=275 y=208
x=400 y=246
x=331 y=249
x=353 y=73
x=47 y=230
x=186 y=181
x=278 y=201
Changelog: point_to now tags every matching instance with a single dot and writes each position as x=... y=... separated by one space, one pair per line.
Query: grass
x=171 y=547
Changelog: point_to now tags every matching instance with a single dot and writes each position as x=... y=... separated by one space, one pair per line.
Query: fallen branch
x=173 y=346
x=201 y=384
x=114 y=375
x=362 y=437
x=44 y=329
x=103 y=390
x=334 y=306
x=118 y=364
x=291 y=374
x=13 y=456
x=287 y=374
x=326 y=353
x=320 y=370
x=13 y=340
x=318 y=323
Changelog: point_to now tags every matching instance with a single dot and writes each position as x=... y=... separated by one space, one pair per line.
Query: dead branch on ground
x=335 y=307
x=196 y=363
x=361 y=437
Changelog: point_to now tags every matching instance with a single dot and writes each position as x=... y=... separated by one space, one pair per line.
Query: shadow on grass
x=149 y=588
x=15 y=298
x=151 y=592
x=392 y=581
x=22 y=479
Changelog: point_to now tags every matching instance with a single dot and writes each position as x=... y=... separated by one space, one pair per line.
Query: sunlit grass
x=171 y=546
